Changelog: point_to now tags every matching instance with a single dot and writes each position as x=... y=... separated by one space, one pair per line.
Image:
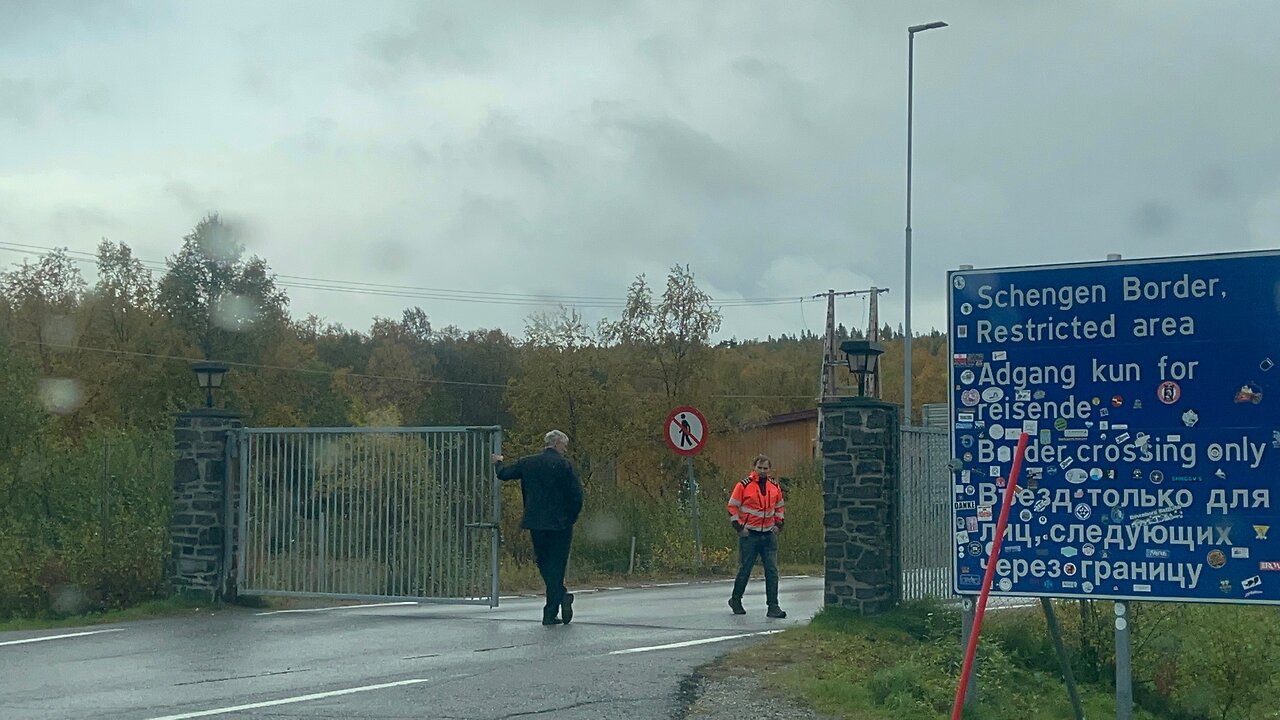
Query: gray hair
x=553 y=437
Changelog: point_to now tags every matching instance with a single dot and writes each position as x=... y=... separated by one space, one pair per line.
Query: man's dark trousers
x=765 y=546
x=551 y=549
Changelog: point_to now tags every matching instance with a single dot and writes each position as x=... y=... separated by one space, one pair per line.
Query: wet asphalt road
x=399 y=661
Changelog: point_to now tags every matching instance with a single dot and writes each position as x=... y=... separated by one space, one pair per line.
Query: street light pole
x=906 y=341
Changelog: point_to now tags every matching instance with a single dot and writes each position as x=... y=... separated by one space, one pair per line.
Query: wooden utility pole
x=827 y=381
x=873 y=333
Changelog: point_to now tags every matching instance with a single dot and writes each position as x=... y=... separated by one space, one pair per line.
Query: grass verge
x=902 y=666
x=177 y=605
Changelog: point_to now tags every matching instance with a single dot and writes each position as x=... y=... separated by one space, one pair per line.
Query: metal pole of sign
x=1124 y=667
x=1056 y=634
x=966 y=627
x=697 y=526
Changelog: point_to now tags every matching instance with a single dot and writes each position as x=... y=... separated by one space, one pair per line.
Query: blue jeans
x=765 y=547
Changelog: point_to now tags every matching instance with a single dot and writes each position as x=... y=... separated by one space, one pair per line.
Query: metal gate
x=369 y=513
x=925 y=514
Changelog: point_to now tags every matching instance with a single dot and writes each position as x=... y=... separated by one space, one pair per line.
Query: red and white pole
x=990 y=575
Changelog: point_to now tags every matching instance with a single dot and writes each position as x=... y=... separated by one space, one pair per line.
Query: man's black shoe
x=566 y=608
x=776 y=612
x=552 y=621
x=736 y=604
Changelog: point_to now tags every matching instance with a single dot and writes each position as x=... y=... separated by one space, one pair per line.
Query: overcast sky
x=564 y=146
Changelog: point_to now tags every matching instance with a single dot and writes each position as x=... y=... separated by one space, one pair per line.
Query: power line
x=258 y=366
x=367 y=376
x=418 y=292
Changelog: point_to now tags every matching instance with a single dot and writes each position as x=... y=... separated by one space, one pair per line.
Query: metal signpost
x=686 y=434
x=1147 y=387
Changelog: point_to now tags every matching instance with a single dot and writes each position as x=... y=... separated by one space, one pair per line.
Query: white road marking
x=671 y=584
x=291 y=700
x=60 y=637
x=690 y=643
x=336 y=607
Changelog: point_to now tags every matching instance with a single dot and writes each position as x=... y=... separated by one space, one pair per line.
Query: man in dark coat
x=552 y=501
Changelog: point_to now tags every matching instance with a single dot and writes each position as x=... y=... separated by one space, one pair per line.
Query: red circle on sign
x=1168 y=392
x=685 y=431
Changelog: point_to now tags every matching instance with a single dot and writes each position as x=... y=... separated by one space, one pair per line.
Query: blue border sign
x=1150 y=390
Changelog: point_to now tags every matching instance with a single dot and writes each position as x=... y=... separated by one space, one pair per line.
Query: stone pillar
x=204 y=505
x=860 y=466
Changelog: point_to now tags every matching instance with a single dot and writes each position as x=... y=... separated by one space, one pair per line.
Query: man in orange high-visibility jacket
x=756 y=510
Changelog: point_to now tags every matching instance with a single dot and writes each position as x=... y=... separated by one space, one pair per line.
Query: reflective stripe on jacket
x=750 y=508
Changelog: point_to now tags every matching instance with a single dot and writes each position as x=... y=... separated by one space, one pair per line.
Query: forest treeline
x=92 y=374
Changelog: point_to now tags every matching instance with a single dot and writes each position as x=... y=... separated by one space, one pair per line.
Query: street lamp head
x=209 y=377
x=863 y=357
x=928 y=26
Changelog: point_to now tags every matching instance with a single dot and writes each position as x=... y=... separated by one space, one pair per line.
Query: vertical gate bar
x=272 y=573
x=360 y=473
x=384 y=483
x=291 y=510
x=368 y=473
x=459 y=455
x=317 y=524
x=242 y=530
x=282 y=490
x=468 y=585
x=407 y=514
x=304 y=513
x=342 y=462
x=318 y=497
x=300 y=520
x=403 y=518
x=395 y=515
x=473 y=562
x=449 y=514
x=367 y=521
x=437 y=516
x=495 y=537
x=379 y=481
x=393 y=512
x=422 y=467
x=429 y=577
x=264 y=491
x=389 y=513
x=337 y=490
x=455 y=457
x=350 y=446
x=276 y=575
x=321 y=488
x=437 y=523
x=411 y=499
x=291 y=514
x=384 y=480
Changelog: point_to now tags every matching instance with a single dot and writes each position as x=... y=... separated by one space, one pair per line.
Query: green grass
x=177 y=605
x=905 y=665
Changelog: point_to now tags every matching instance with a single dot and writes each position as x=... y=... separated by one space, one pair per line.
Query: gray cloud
x=564 y=147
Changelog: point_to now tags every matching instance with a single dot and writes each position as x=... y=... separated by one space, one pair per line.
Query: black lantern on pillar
x=209 y=377
x=863 y=358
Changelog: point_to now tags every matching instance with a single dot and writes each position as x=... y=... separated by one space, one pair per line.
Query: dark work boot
x=566 y=608
x=736 y=604
x=775 y=612
x=549 y=617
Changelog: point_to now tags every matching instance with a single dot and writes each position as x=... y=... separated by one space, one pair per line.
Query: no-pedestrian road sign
x=686 y=431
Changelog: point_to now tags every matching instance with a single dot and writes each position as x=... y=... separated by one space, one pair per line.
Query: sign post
x=686 y=434
x=1145 y=387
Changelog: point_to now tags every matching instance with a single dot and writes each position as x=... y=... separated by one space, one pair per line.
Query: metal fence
x=925 y=514
x=369 y=513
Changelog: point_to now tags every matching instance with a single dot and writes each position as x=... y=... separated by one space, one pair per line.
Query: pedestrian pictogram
x=686 y=431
